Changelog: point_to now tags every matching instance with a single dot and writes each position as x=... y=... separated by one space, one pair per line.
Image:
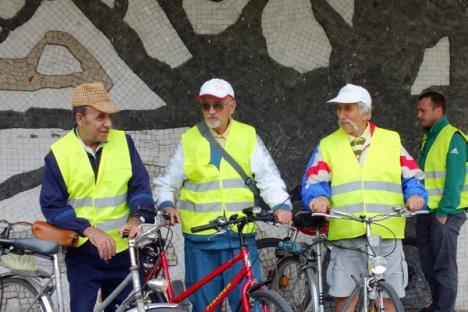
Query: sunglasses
x=207 y=107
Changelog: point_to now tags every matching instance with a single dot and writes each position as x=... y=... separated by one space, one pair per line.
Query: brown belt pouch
x=45 y=231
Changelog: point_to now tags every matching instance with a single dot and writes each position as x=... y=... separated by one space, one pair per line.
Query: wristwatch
x=140 y=217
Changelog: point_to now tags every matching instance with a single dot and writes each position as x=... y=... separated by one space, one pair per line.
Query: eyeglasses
x=207 y=106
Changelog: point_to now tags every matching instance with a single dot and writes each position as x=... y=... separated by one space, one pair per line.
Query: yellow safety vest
x=370 y=190
x=102 y=201
x=435 y=168
x=210 y=192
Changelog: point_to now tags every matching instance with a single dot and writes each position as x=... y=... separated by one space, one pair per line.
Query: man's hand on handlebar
x=174 y=215
x=320 y=204
x=283 y=216
x=415 y=203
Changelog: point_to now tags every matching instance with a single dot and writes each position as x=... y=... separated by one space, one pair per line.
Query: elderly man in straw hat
x=362 y=169
x=95 y=183
x=210 y=186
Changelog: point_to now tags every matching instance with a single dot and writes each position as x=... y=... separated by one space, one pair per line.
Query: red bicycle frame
x=246 y=271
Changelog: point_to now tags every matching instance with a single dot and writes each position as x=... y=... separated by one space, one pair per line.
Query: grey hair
x=364 y=108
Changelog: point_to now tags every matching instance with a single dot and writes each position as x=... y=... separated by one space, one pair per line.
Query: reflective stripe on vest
x=102 y=200
x=435 y=166
x=372 y=189
x=99 y=202
x=210 y=192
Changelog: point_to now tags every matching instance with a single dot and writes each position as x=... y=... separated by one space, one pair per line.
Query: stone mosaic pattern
x=57 y=60
x=10 y=8
x=283 y=63
x=159 y=37
x=212 y=17
x=294 y=37
x=435 y=67
x=345 y=8
x=22 y=74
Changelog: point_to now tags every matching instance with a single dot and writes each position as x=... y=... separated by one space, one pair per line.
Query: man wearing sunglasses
x=208 y=187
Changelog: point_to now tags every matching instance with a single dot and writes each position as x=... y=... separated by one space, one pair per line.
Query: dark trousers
x=87 y=273
x=437 y=244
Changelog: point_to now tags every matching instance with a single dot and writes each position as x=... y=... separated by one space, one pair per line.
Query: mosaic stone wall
x=284 y=58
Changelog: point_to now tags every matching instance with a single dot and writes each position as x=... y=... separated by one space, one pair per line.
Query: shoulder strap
x=247 y=180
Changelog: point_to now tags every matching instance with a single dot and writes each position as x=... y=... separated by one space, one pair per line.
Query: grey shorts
x=345 y=263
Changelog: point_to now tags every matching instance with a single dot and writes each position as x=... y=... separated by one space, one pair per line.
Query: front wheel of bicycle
x=265 y=300
x=383 y=290
x=295 y=282
x=17 y=294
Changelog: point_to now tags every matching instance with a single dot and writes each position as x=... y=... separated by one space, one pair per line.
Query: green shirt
x=456 y=168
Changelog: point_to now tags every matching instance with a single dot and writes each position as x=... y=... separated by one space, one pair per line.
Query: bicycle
x=298 y=275
x=371 y=290
x=253 y=293
x=30 y=287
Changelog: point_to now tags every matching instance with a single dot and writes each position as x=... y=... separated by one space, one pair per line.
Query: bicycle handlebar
x=398 y=212
x=251 y=215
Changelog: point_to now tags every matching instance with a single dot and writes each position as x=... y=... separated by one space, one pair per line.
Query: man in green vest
x=364 y=170
x=208 y=187
x=95 y=183
x=443 y=158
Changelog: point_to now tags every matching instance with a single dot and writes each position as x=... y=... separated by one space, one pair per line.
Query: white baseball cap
x=217 y=87
x=352 y=94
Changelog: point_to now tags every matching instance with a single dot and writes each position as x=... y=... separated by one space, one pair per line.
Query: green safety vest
x=435 y=168
x=210 y=192
x=370 y=190
x=101 y=201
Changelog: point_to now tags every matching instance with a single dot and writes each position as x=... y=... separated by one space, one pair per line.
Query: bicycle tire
x=296 y=284
x=17 y=294
x=267 y=300
x=381 y=288
x=267 y=255
x=418 y=292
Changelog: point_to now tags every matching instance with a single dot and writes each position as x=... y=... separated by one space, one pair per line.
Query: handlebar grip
x=204 y=227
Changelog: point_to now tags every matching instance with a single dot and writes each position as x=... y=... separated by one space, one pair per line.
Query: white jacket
x=267 y=177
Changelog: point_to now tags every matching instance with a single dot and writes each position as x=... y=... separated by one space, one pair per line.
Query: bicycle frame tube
x=246 y=271
x=58 y=284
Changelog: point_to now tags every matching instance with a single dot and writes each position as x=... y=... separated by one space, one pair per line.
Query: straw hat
x=94 y=95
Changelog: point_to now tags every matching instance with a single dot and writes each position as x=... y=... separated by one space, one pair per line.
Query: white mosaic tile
x=435 y=67
x=209 y=17
x=22 y=207
x=345 y=8
x=24 y=149
x=9 y=8
x=129 y=90
x=109 y=3
x=156 y=32
x=294 y=37
x=57 y=60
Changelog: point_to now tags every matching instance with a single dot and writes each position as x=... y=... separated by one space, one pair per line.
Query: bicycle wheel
x=267 y=255
x=17 y=294
x=266 y=300
x=418 y=292
x=383 y=290
x=296 y=284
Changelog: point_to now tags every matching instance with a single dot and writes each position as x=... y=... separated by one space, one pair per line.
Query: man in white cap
x=362 y=169
x=210 y=187
x=95 y=184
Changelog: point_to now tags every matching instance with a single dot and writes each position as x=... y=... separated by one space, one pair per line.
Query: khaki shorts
x=345 y=263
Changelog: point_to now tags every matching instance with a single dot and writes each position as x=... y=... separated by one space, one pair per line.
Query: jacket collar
x=437 y=126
